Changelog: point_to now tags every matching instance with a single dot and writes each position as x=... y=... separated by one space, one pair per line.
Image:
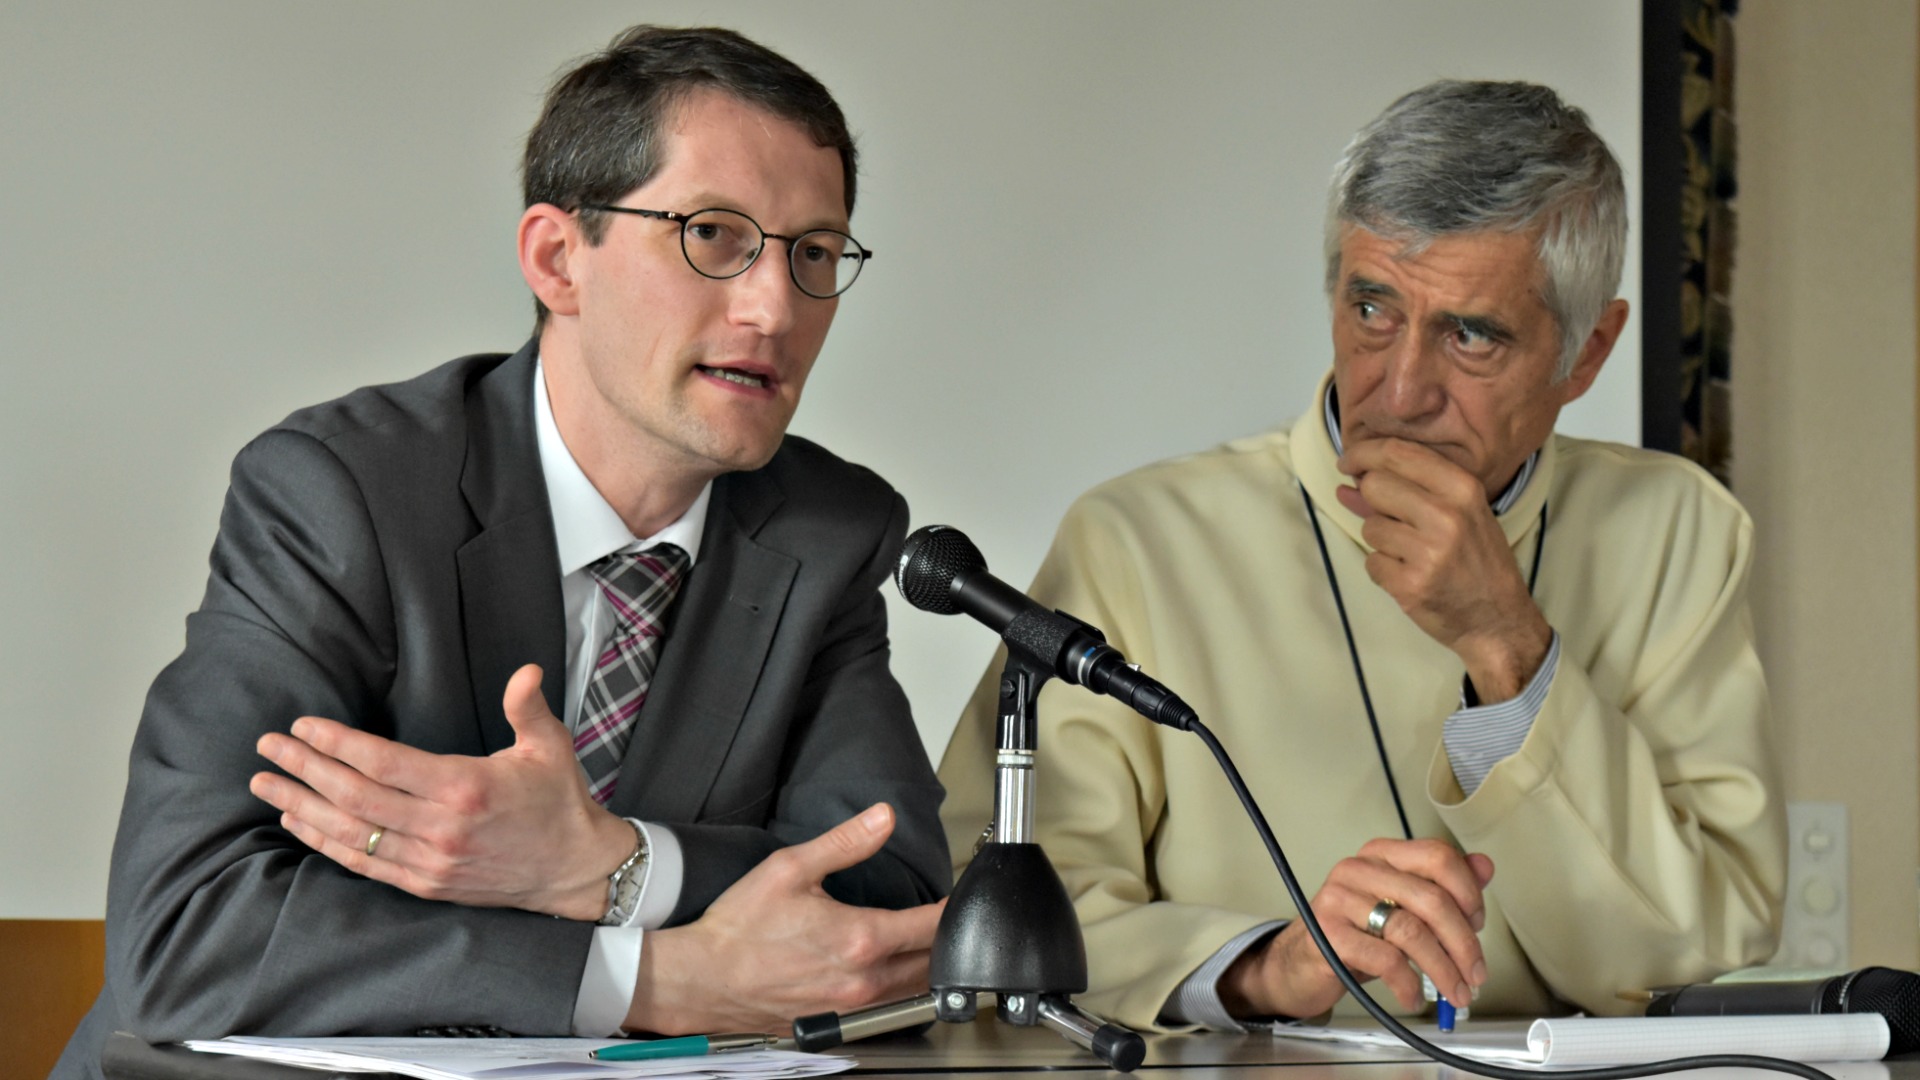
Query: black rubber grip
x=821 y=1031
x=1122 y=1049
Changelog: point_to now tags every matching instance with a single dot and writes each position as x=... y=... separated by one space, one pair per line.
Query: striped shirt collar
x=1331 y=409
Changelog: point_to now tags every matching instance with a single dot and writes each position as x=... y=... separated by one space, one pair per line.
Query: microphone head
x=1893 y=994
x=930 y=560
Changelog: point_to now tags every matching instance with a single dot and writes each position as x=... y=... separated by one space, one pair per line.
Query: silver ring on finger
x=374 y=840
x=1376 y=919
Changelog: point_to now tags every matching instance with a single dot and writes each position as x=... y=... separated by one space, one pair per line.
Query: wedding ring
x=1376 y=919
x=374 y=841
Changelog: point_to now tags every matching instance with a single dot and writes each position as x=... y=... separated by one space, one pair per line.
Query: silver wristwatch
x=623 y=886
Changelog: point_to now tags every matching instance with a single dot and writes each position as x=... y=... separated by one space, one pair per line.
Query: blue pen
x=684 y=1046
x=1444 y=1014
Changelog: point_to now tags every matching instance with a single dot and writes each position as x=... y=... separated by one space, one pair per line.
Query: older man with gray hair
x=1441 y=638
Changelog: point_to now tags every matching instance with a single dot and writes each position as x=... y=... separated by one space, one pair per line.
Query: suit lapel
x=510 y=602
x=721 y=629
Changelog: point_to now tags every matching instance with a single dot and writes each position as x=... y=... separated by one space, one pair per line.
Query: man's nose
x=1413 y=387
x=764 y=295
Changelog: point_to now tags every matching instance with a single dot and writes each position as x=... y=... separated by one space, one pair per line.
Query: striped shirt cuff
x=1197 y=999
x=1483 y=736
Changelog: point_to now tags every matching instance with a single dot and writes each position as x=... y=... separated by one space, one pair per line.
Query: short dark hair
x=598 y=136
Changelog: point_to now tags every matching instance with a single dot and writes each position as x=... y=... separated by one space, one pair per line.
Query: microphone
x=1895 y=995
x=941 y=571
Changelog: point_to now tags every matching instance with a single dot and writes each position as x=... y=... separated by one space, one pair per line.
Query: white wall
x=1098 y=227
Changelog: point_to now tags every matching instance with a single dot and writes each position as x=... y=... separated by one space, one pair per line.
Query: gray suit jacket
x=388 y=559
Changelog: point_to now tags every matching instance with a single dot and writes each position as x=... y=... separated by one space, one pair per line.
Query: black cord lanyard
x=1359 y=672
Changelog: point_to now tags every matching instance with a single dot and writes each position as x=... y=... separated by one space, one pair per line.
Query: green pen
x=684 y=1046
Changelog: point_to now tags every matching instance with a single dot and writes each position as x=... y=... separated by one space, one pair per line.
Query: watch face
x=623 y=892
x=620 y=903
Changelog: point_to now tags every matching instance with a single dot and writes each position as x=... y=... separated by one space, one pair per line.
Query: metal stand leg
x=1119 y=1047
x=824 y=1031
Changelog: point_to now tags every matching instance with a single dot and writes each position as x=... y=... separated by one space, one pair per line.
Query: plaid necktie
x=638 y=588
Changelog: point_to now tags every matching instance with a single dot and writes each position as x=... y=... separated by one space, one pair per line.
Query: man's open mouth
x=744 y=378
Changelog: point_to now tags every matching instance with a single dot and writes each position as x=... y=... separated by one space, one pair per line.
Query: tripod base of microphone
x=1121 y=1048
x=1009 y=928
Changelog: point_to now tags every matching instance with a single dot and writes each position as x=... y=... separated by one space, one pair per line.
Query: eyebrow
x=708 y=200
x=1359 y=288
x=1491 y=329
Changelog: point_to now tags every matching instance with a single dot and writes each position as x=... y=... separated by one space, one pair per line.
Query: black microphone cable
x=1446 y=1057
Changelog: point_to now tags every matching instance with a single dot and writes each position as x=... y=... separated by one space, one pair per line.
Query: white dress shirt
x=586 y=529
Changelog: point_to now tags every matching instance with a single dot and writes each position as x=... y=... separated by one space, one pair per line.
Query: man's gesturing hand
x=1440 y=911
x=775 y=946
x=514 y=829
x=1439 y=552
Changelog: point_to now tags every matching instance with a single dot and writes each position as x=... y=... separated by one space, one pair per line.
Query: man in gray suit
x=572 y=663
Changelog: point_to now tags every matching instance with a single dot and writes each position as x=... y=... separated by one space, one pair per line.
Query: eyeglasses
x=722 y=244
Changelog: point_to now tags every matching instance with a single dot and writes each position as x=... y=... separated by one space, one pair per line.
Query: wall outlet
x=1814 y=932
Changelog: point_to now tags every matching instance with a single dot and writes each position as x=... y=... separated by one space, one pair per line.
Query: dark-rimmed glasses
x=721 y=244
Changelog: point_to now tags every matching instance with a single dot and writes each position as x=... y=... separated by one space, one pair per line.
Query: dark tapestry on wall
x=1707 y=193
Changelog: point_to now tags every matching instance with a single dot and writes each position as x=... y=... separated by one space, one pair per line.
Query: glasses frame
x=793 y=272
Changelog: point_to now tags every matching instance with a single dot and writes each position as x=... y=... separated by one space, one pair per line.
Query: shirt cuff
x=613 y=960
x=606 y=986
x=1197 y=999
x=1481 y=736
x=660 y=889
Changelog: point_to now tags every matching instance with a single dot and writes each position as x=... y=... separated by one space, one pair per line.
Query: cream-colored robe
x=1638 y=835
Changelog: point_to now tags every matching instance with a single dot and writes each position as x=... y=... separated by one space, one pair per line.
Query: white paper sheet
x=1581 y=1040
x=517 y=1059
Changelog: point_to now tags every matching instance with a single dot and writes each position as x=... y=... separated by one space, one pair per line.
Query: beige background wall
x=1097 y=223
x=1824 y=406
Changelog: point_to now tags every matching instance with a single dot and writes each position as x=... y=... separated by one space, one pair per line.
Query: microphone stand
x=1009 y=928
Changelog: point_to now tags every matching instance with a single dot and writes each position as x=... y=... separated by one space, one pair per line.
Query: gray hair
x=1459 y=157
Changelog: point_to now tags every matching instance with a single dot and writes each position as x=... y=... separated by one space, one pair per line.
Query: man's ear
x=547 y=239
x=1593 y=354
